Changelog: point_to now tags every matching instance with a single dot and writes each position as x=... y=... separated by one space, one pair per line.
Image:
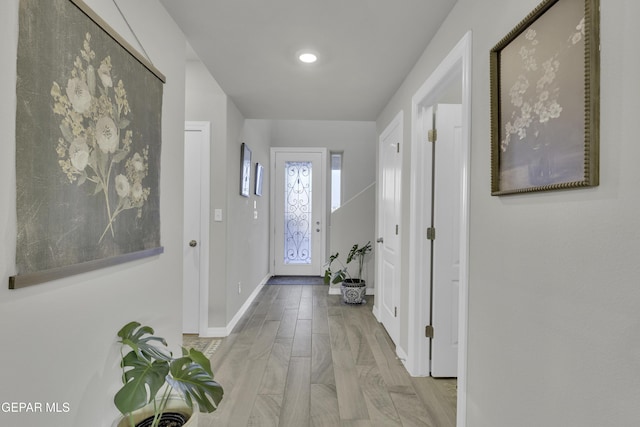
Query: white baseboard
x=376 y=314
x=215 y=333
x=402 y=355
x=225 y=331
x=335 y=290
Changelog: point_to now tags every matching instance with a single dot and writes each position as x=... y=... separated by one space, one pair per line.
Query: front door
x=299 y=200
x=389 y=178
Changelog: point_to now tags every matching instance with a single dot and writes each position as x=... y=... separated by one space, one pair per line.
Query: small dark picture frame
x=245 y=170
x=545 y=92
x=259 y=173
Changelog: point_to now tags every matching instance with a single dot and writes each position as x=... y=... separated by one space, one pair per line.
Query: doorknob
x=380 y=240
x=193 y=243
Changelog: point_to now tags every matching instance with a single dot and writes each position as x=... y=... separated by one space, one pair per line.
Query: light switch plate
x=217 y=215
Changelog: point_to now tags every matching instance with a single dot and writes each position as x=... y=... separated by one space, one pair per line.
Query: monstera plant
x=353 y=288
x=152 y=377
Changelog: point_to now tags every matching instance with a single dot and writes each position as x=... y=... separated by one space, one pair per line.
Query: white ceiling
x=365 y=47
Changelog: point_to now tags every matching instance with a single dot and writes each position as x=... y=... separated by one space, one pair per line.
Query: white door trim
x=205 y=168
x=324 y=214
x=457 y=62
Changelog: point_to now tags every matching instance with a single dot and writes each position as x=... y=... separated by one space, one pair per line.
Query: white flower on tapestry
x=95 y=147
x=107 y=135
x=535 y=93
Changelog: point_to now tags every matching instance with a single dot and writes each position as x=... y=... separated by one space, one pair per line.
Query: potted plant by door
x=352 y=288
x=160 y=390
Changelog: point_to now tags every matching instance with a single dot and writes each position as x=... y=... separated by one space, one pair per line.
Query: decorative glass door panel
x=298 y=212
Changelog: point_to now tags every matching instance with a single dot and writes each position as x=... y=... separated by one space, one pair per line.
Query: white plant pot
x=353 y=292
x=175 y=404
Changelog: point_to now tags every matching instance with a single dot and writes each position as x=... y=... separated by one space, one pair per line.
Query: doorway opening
x=451 y=78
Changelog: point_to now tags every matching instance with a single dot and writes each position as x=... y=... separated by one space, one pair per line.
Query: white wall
x=356 y=139
x=240 y=243
x=553 y=287
x=58 y=338
x=248 y=238
x=206 y=101
x=355 y=223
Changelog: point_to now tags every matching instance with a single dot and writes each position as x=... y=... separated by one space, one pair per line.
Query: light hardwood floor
x=302 y=358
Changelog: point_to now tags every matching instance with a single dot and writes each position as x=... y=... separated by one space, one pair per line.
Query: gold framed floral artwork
x=545 y=100
x=88 y=143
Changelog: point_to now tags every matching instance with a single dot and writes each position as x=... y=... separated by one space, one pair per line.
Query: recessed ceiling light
x=308 y=57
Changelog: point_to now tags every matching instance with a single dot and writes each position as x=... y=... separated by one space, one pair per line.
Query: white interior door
x=196 y=212
x=446 y=246
x=389 y=179
x=299 y=200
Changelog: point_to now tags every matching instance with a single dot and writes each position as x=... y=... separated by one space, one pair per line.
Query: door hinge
x=395 y=311
x=398 y=148
x=433 y=135
x=431 y=233
x=397 y=228
x=428 y=331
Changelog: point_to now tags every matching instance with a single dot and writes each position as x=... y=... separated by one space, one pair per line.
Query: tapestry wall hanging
x=545 y=80
x=88 y=143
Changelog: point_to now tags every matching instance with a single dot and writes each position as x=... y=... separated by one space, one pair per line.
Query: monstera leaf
x=135 y=336
x=191 y=376
x=148 y=367
x=140 y=375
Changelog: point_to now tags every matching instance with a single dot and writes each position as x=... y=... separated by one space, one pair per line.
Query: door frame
x=324 y=214
x=457 y=63
x=396 y=123
x=205 y=213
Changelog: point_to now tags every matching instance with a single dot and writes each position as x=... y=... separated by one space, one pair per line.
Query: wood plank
x=350 y=398
x=358 y=343
x=234 y=407
x=302 y=339
x=288 y=323
x=391 y=368
x=232 y=367
x=305 y=310
x=307 y=291
x=320 y=323
x=251 y=329
x=439 y=397
x=411 y=411
x=357 y=423
x=339 y=339
x=276 y=310
x=321 y=360
x=324 y=406
x=320 y=295
x=265 y=412
x=381 y=409
x=295 y=411
x=275 y=375
x=261 y=347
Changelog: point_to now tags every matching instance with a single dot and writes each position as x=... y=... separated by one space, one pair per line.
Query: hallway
x=300 y=357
